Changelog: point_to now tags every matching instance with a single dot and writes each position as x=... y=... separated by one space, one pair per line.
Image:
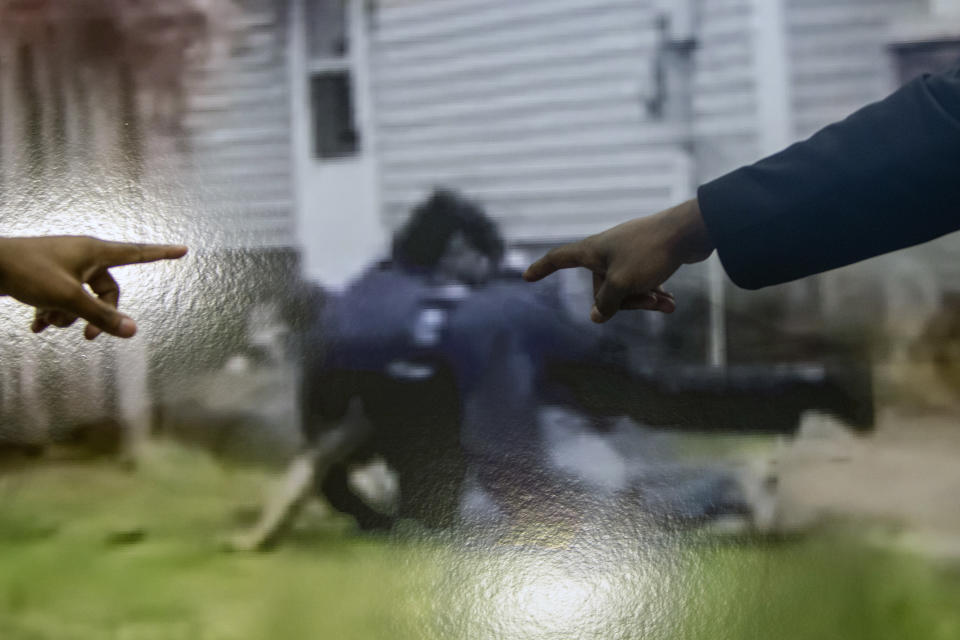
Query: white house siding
x=535 y=108
x=237 y=144
x=725 y=88
x=839 y=57
x=219 y=161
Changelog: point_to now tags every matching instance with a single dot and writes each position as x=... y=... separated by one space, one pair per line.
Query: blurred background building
x=292 y=136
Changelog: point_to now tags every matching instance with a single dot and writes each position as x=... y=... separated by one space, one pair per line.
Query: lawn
x=93 y=551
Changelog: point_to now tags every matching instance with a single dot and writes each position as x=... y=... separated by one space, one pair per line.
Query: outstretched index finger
x=568 y=256
x=115 y=254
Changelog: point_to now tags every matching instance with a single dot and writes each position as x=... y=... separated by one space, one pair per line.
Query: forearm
x=687 y=232
x=886 y=178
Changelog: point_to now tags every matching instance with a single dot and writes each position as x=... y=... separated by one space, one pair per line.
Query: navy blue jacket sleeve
x=886 y=178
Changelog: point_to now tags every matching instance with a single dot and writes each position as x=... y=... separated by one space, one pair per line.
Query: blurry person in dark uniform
x=450 y=367
x=437 y=360
x=384 y=346
x=378 y=378
x=446 y=354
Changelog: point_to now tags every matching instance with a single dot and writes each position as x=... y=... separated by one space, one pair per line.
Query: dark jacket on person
x=444 y=373
x=886 y=178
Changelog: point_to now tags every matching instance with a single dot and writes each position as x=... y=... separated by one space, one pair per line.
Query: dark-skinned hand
x=631 y=261
x=53 y=273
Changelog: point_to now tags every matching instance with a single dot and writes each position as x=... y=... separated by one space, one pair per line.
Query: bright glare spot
x=542 y=595
x=547 y=602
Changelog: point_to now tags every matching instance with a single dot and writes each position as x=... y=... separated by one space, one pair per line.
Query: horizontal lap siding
x=237 y=144
x=839 y=57
x=725 y=107
x=535 y=108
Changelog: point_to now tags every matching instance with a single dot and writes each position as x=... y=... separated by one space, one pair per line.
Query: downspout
x=772 y=74
x=299 y=115
x=679 y=25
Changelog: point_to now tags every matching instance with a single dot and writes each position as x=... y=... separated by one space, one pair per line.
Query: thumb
x=103 y=316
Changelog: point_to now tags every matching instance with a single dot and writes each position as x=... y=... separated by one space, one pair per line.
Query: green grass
x=823 y=588
x=93 y=552
x=64 y=577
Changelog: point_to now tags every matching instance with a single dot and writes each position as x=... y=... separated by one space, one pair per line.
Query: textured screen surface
x=345 y=415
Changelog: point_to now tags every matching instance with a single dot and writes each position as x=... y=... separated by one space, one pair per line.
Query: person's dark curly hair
x=423 y=239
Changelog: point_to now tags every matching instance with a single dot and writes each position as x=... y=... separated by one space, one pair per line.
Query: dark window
x=334 y=129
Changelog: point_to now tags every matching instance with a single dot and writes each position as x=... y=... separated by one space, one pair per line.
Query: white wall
x=237 y=134
x=725 y=87
x=949 y=8
x=339 y=228
x=838 y=56
x=535 y=108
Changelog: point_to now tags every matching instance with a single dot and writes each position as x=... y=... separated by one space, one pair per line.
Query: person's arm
x=50 y=273
x=886 y=178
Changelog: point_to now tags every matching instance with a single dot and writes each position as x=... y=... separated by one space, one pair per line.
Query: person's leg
x=298 y=486
x=335 y=487
x=281 y=508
